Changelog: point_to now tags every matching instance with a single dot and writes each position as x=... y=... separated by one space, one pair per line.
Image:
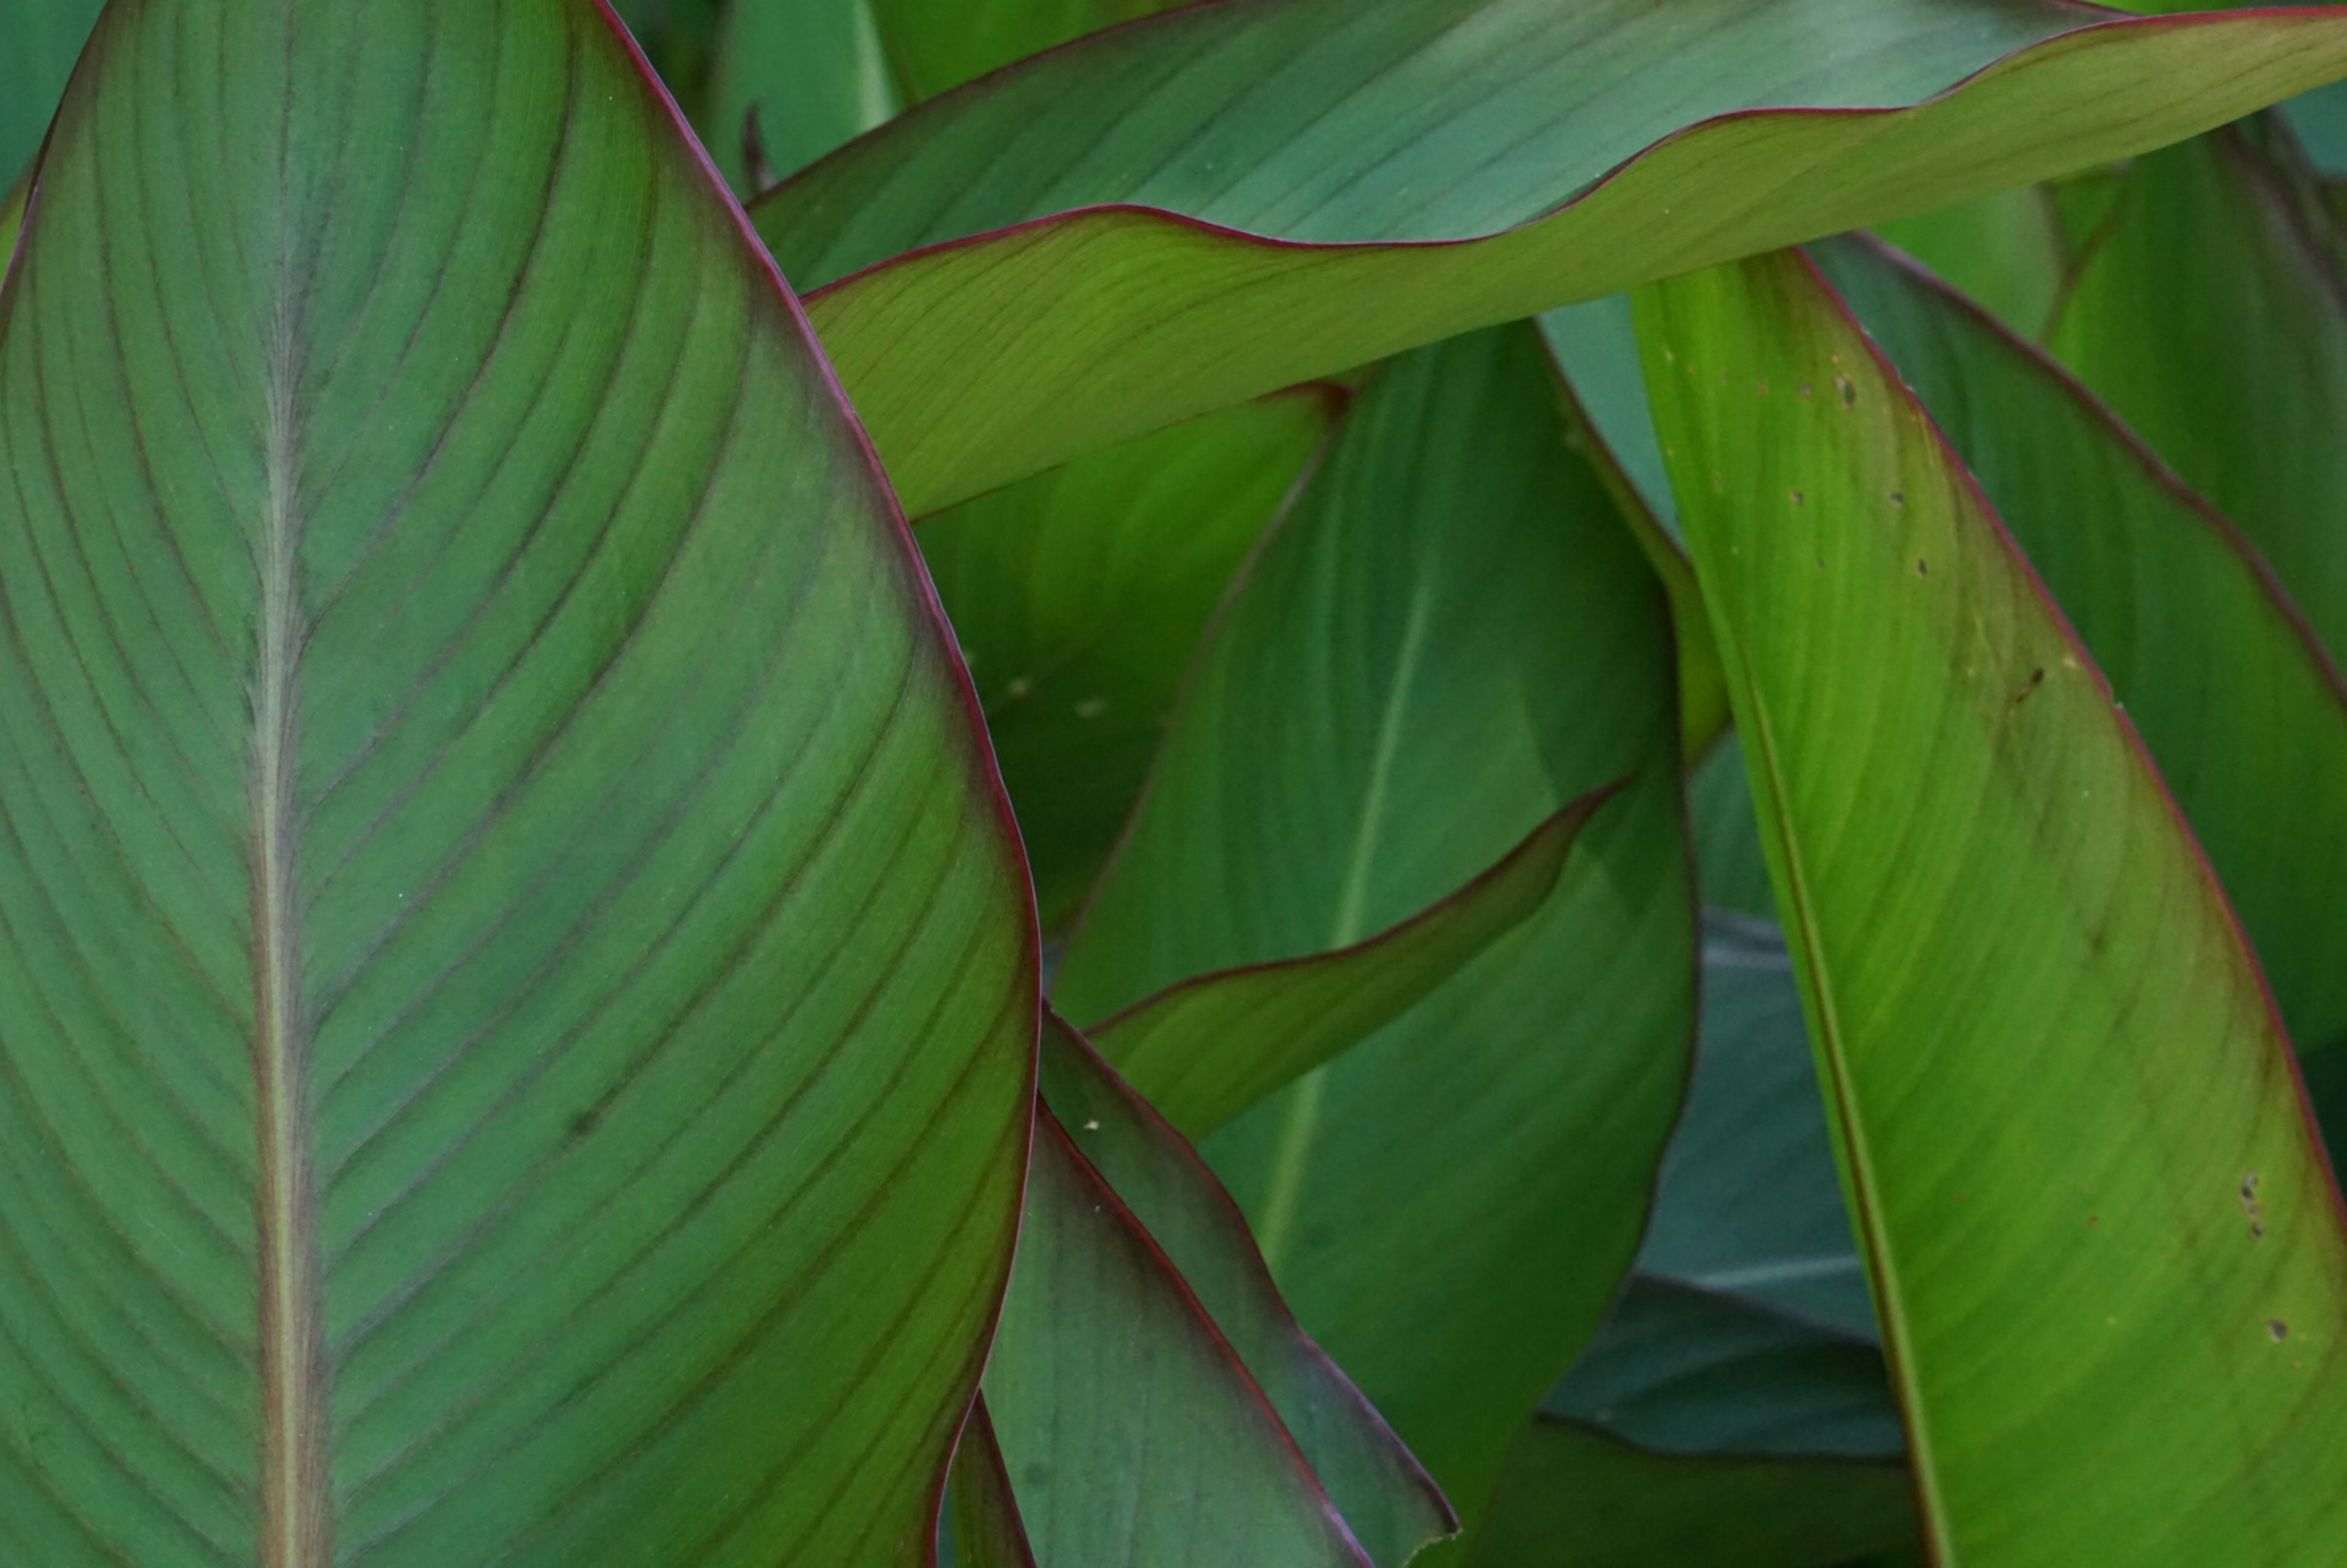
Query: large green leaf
x=515 y=991
x=40 y=40
x=1451 y=638
x=1574 y=1497
x=1130 y=1430
x=2213 y=317
x=2243 y=711
x=941 y=43
x=1388 y=1500
x=1078 y=597
x=1204 y=1049
x=1299 y=161
x=2105 y=1249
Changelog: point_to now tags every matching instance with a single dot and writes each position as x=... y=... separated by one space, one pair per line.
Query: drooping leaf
x=1574 y=1496
x=1449 y=638
x=789 y=81
x=1205 y=1049
x=2242 y=710
x=1390 y=1503
x=1130 y=1431
x=1078 y=597
x=2212 y=316
x=1748 y=1203
x=2095 y=1218
x=1204 y=172
x=986 y=1529
x=39 y=41
x=516 y=990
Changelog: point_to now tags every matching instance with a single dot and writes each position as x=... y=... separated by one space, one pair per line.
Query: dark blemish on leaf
x=2279 y=1329
x=2250 y=1205
x=2094 y=1221
x=1922 y=568
x=1763 y=386
x=1805 y=389
x=1796 y=497
x=586 y=1121
x=1897 y=498
x=2037 y=678
x=1848 y=391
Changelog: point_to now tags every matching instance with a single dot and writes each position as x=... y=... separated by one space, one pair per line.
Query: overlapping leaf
x=2096 y=1218
x=2211 y=312
x=2243 y=711
x=40 y=40
x=1078 y=597
x=1301 y=161
x=1388 y=1501
x=1207 y=1048
x=516 y=990
x=1451 y=638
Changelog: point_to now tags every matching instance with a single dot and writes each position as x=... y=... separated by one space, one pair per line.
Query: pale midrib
x=293 y=1489
x=1291 y=1156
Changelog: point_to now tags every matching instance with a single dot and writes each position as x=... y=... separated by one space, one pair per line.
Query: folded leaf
x=1572 y=1496
x=1386 y=1500
x=40 y=40
x=986 y=1529
x=1451 y=638
x=2096 y=1218
x=1204 y=1049
x=1138 y=204
x=2244 y=712
x=1130 y=1430
x=516 y=988
x=2211 y=312
x=1078 y=597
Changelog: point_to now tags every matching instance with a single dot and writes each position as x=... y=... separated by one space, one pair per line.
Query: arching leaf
x=1138 y=204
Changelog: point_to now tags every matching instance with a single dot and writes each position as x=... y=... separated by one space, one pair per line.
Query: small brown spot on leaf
x=2279 y=1329
x=1762 y=386
x=1848 y=391
x=1796 y=497
x=1897 y=498
x=2029 y=688
x=2094 y=1221
x=1922 y=568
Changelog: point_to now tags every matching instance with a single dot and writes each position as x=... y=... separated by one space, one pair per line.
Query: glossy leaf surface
x=1300 y=161
x=2212 y=314
x=516 y=989
x=1205 y=1050
x=1574 y=1496
x=1078 y=597
x=2243 y=711
x=2094 y=1214
x=1388 y=1500
x=1451 y=638
x=1130 y=1431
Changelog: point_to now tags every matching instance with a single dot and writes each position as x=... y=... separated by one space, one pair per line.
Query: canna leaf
x=1130 y=1433
x=1449 y=637
x=789 y=80
x=2212 y=313
x=2241 y=707
x=941 y=43
x=1573 y=1495
x=1078 y=597
x=2096 y=1218
x=1204 y=1049
x=986 y=1529
x=1138 y=204
x=39 y=41
x=1391 y=1504
x=515 y=986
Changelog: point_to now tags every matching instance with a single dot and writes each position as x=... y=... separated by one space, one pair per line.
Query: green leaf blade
x=495 y=971
x=1025 y=270
x=1998 y=913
